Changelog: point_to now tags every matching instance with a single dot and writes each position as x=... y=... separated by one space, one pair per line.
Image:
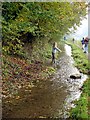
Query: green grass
x=82 y=109
x=81 y=59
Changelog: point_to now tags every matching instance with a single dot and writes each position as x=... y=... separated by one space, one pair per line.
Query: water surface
x=50 y=98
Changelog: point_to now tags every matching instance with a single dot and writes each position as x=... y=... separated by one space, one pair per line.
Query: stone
x=88 y=72
x=75 y=76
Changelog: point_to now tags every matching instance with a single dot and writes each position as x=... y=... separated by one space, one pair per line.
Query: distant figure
x=64 y=38
x=54 y=50
x=82 y=41
x=86 y=41
x=73 y=40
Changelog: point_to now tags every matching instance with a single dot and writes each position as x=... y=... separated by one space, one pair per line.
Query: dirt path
x=50 y=98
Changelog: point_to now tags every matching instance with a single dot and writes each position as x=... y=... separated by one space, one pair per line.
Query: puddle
x=50 y=98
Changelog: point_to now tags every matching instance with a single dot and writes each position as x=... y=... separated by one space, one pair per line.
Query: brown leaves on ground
x=18 y=73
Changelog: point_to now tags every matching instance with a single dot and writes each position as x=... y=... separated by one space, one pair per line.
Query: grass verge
x=82 y=109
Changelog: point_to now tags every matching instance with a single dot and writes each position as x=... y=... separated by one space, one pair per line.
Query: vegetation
x=36 y=25
x=30 y=28
x=21 y=22
x=81 y=111
x=81 y=59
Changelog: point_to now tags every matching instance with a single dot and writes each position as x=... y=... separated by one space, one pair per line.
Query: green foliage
x=41 y=50
x=38 y=19
x=10 y=10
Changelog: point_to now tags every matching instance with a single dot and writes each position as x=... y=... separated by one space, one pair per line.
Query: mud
x=52 y=98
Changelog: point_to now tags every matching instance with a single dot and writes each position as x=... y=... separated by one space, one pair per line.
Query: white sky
x=82 y=30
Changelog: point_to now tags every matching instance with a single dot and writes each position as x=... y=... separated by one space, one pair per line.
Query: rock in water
x=75 y=76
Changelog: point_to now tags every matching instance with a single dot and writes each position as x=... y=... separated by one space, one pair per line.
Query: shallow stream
x=51 y=98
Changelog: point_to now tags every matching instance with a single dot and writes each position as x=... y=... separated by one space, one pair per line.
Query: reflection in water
x=68 y=50
x=50 y=98
x=74 y=85
x=63 y=77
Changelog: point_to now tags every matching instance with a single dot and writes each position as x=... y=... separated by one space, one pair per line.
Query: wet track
x=51 y=98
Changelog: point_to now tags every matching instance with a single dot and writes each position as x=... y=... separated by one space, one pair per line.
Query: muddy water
x=50 y=98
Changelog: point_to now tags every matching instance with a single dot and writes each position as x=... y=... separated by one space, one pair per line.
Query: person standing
x=54 y=50
x=82 y=41
x=86 y=41
x=64 y=38
x=73 y=40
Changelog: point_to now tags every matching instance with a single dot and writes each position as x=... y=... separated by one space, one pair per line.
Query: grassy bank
x=82 y=109
x=81 y=59
x=41 y=50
